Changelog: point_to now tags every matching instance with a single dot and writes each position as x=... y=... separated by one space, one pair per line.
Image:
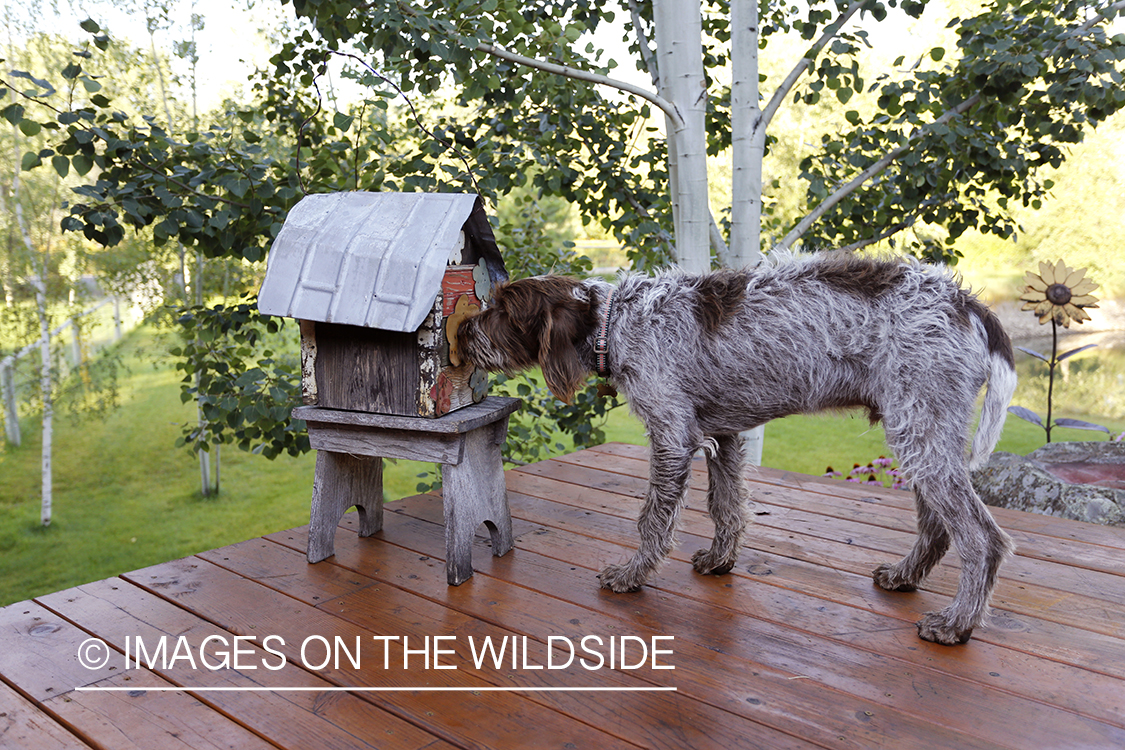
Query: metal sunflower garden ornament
x=1060 y=295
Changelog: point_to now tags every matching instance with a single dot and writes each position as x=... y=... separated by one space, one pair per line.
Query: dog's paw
x=706 y=562
x=886 y=578
x=620 y=579
x=935 y=627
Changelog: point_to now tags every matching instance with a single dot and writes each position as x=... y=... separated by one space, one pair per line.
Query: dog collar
x=601 y=341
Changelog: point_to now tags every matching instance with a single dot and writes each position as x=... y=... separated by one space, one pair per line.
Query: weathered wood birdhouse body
x=379 y=282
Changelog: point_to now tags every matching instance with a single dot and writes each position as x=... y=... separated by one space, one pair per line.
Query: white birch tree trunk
x=204 y=456
x=748 y=141
x=8 y=395
x=679 y=51
x=748 y=137
x=44 y=342
x=44 y=383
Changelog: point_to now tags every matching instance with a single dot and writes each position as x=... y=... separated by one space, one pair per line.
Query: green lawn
x=125 y=497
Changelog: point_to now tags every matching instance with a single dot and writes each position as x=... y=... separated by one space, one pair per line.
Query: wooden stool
x=351 y=447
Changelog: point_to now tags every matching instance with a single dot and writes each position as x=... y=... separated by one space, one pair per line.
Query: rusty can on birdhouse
x=379 y=283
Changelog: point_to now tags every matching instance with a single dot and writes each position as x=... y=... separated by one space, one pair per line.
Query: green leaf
x=342 y=121
x=89 y=25
x=48 y=89
x=844 y=95
x=30 y=161
x=90 y=85
x=71 y=71
x=239 y=186
x=937 y=53
x=61 y=165
x=83 y=163
x=30 y=127
x=13 y=113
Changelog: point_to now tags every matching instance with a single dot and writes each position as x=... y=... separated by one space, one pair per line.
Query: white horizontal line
x=334 y=689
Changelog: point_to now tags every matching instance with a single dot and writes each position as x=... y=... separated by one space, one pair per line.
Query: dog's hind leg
x=728 y=505
x=670 y=467
x=982 y=546
x=948 y=510
x=930 y=546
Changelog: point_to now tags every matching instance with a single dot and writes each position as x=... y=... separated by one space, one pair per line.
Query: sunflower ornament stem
x=1060 y=295
x=1051 y=373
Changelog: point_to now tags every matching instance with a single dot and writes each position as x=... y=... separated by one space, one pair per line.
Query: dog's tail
x=1001 y=385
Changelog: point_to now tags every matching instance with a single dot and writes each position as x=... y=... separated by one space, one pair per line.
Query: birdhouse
x=379 y=283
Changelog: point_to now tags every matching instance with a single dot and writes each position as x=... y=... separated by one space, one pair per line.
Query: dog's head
x=537 y=321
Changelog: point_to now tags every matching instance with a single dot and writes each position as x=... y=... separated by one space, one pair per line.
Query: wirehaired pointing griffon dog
x=702 y=358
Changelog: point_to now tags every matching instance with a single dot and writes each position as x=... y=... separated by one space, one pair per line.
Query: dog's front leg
x=669 y=468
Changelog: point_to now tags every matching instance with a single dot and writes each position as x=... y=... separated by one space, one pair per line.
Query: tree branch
x=1102 y=14
x=790 y=81
x=30 y=98
x=794 y=234
x=716 y=236
x=828 y=203
x=906 y=223
x=642 y=43
x=718 y=244
x=417 y=118
x=582 y=75
x=185 y=186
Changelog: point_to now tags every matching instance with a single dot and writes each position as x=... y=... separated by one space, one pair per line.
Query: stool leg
x=341 y=481
x=473 y=492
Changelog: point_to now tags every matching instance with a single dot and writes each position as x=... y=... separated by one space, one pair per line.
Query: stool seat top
x=465 y=419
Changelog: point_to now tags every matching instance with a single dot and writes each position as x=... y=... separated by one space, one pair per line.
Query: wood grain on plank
x=783 y=643
x=115 y=610
x=241 y=605
x=24 y=726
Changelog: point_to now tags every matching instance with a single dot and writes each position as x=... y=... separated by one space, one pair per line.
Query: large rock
x=1057 y=480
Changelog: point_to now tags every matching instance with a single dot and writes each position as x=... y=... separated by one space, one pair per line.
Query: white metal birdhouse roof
x=371 y=259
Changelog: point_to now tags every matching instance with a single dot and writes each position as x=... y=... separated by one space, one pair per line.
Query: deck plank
x=115 y=610
x=24 y=726
x=796 y=648
x=241 y=605
x=1061 y=528
x=882 y=507
x=280 y=565
x=707 y=663
x=835 y=571
x=702 y=598
x=1034 y=678
x=140 y=718
x=861 y=547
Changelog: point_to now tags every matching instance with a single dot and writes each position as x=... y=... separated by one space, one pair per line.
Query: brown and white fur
x=702 y=358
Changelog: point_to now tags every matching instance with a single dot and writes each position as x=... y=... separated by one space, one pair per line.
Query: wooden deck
x=796 y=648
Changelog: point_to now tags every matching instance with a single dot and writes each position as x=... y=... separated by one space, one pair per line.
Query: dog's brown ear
x=558 y=356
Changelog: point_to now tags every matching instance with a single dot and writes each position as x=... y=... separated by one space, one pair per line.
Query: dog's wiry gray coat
x=702 y=358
